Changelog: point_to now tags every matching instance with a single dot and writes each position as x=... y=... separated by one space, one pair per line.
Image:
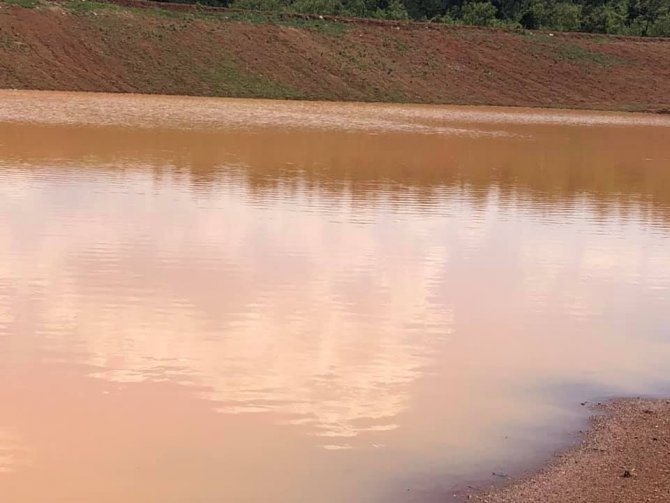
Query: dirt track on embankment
x=81 y=46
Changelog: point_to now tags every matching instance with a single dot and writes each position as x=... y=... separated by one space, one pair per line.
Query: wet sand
x=624 y=457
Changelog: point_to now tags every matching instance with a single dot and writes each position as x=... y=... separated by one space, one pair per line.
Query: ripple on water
x=349 y=305
x=13 y=454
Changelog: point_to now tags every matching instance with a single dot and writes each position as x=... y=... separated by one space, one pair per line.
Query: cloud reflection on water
x=395 y=302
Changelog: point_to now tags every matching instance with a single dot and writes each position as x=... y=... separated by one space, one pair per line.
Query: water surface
x=207 y=300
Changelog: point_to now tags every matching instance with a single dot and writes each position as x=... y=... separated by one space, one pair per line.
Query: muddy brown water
x=207 y=300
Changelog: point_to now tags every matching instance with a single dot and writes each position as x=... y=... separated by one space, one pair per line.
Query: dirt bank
x=624 y=458
x=84 y=46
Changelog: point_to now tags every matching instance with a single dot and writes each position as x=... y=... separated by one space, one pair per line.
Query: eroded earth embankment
x=85 y=46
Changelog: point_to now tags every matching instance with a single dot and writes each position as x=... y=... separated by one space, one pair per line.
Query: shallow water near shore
x=228 y=300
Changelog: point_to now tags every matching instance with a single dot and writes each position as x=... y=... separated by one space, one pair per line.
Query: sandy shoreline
x=624 y=457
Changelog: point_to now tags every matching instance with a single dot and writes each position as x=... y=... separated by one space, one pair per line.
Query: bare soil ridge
x=624 y=458
x=87 y=46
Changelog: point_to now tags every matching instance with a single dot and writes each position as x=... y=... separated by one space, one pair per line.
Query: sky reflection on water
x=258 y=313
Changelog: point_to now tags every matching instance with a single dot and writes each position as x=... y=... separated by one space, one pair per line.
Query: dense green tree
x=511 y=10
x=606 y=18
x=645 y=14
x=561 y=16
x=479 y=13
x=331 y=7
x=630 y=17
x=425 y=9
x=394 y=9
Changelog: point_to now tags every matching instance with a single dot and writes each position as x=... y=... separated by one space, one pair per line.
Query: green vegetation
x=325 y=26
x=646 y=18
x=231 y=80
x=578 y=54
x=26 y=4
x=87 y=5
x=624 y=17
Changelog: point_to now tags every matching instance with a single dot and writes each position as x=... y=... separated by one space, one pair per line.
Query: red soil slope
x=83 y=46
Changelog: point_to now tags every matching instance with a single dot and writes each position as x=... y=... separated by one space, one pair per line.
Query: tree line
x=647 y=18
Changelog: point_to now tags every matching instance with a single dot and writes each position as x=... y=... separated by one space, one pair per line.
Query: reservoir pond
x=211 y=300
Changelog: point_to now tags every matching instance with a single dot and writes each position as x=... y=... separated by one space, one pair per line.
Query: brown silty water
x=251 y=301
